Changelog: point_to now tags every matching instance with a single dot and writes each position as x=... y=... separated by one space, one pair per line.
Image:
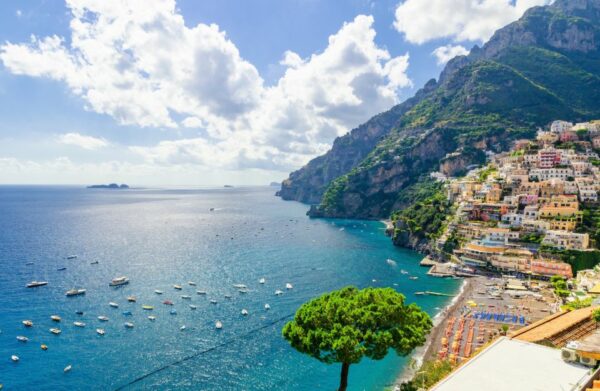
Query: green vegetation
x=346 y=325
x=596 y=315
x=579 y=260
x=531 y=237
x=577 y=304
x=486 y=172
x=591 y=223
x=429 y=374
x=560 y=286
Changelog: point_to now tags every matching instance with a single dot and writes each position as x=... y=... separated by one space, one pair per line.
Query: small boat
x=403 y=271
x=192 y=283
x=278 y=292
x=79 y=324
x=100 y=331
x=391 y=262
x=72 y=257
x=14 y=358
x=167 y=302
x=55 y=331
x=218 y=325
x=419 y=293
x=413 y=278
x=21 y=338
x=227 y=296
x=186 y=297
x=193 y=306
x=128 y=325
x=262 y=281
x=201 y=292
x=103 y=318
x=94 y=263
x=173 y=312
x=131 y=299
x=240 y=286
x=127 y=313
x=267 y=307
x=213 y=301
x=119 y=281
x=55 y=318
x=79 y=312
x=147 y=307
x=35 y=284
x=178 y=287
x=244 y=312
x=182 y=328
x=152 y=317
x=113 y=304
x=67 y=368
x=60 y=269
x=158 y=292
x=29 y=264
x=75 y=292
x=288 y=286
x=27 y=323
x=44 y=347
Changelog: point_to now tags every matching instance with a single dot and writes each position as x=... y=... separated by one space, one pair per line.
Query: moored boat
x=100 y=331
x=72 y=257
x=55 y=331
x=262 y=281
x=103 y=318
x=177 y=287
x=119 y=281
x=44 y=347
x=79 y=324
x=22 y=338
x=267 y=307
x=27 y=323
x=201 y=292
x=14 y=358
x=213 y=301
x=75 y=292
x=158 y=292
x=147 y=307
x=55 y=318
x=131 y=299
x=167 y=302
x=244 y=312
x=113 y=304
x=218 y=325
x=35 y=284
x=128 y=325
x=289 y=286
x=151 y=317
x=186 y=297
x=68 y=368
x=278 y=292
x=192 y=283
x=193 y=306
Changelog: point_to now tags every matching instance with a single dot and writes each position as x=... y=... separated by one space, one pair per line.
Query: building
x=551 y=268
x=560 y=126
x=544 y=174
x=477 y=254
x=561 y=212
x=567 y=136
x=566 y=240
x=501 y=235
x=548 y=157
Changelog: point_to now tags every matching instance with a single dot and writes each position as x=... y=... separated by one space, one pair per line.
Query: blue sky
x=158 y=92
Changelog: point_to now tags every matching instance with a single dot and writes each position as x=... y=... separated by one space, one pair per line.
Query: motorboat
x=227 y=296
x=192 y=283
x=243 y=290
x=22 y=338
x=218 y=325
x=94 y=263
x=127 y=313
x=27 y=323
x=262 y=281
x=413 y=278
x=79 y=312
x=403 y=271
x=289 y=286
x=113 y=304
x=186 y=297
x=103 y=318
x=72 y=257
x=167 y=302
x=244 y=312
x=75 y=292
x=55 y=318
x=158 y=292
x=213 y=301
x=240 y=286
x=278 y=292
x=131 y=299
x=128 y=325
x=60 y=269
x=152 y=317
x=14 y=358
x=44 y=347
x=147 y=307
x=119 y=281
x=79 y=324
x=35 y=284
x=100 y=331
x=201 y=292
x=391 y=262
x=193 y=307
x=173 y=312
x=178 y=287
x=182 y=328
x=29 y=264
x=267 y=307
x=55 y=331
x=68 y=368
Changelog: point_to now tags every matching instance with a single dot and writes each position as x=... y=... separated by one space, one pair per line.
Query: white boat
x=278 y=292
x=213 y=301
x=182 y=328
x=67 y=368
x=218 y=325
x=113 y=304
x=22 y=338
x=131 y=299
x=243 y=290
x=267 y=307
x=35 y=284
x=119 y=281
x=391 y=262
x=55 y=318
x=129 y=325
x=244 y=312
x=413 y=278
x=403 y=271
x=27 y=323
x=201 y=292
x=192 y=283
x=151 y=317
x=158 y=292
x=186 y=297
x=262 y=281
x=55 y=331
x=288 y=286
x=227 y=296
x=193 y=306
x=100 y=331
x=103 y=318
x=178 y=287
x=14 y=357
x=75 y=292
x=79 y=324
x=240 y=286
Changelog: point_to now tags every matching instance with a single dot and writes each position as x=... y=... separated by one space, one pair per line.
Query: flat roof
x=553 y=324
x=508 y=364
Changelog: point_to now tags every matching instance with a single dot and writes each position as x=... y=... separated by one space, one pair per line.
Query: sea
x=158 y=238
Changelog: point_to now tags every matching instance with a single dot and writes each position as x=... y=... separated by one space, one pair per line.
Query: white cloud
x=82 y=141
x=443 y=54
x=18 y=13
x=138 y=62
x=461 y=20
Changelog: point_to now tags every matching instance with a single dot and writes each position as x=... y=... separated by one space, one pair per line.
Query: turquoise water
x=163 y=237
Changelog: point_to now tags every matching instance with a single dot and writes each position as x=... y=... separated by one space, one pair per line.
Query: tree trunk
x=344 y=377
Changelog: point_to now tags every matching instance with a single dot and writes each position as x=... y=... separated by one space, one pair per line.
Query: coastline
x=426 y=351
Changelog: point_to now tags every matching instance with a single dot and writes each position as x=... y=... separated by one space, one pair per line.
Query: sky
x=212 y=92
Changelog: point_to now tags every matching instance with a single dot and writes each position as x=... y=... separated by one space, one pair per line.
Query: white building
x=544 y=174
x=560 y=126
x=566 y=240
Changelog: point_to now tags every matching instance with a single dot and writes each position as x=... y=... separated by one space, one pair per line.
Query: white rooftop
x=509 y=364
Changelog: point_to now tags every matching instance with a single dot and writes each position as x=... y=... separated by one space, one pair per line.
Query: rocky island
x=109 y=186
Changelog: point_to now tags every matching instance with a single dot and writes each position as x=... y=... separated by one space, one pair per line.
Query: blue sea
x=159 y=238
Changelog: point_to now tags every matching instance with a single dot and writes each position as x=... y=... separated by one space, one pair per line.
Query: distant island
x=228 y=186
x=109 y=186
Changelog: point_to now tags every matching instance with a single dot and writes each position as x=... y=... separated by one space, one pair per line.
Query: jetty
x=427 y=262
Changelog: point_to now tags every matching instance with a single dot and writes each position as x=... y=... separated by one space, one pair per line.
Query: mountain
x=543 y=67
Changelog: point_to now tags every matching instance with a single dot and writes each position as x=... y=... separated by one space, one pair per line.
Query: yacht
x=55 y=331
x=127 y=313
x=186 y=297
x=267 y=307
x=391 y=262
x=173 y=312
x=103 y=318
x=213 y=301
x=178 y=287
x=152 y=317
x=278 y=292
x=158 y=292
x=227 y=296
x=244 y=312
x=192 y=283
x=68 y=368
x=193 y=306
x=128 y=325
x=35 y=284
x=119 y=281
x=262 y=281
x=27 y=323
x=243 y=290
x=55 y=318
x=21 y=338
x=147 y=307
x=15 y=358
x=288 y=286
x=131 y=299
x=240 y=286
x=79 y=324
x=403 y=271
x=75 y=292
x=72 y=257
x=201 y=292
x=100 y=331
x=413 y=278
x=113 y=304
x=182 y=328
x=218 y=325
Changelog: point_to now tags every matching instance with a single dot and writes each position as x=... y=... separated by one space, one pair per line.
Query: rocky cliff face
x=542 y=67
